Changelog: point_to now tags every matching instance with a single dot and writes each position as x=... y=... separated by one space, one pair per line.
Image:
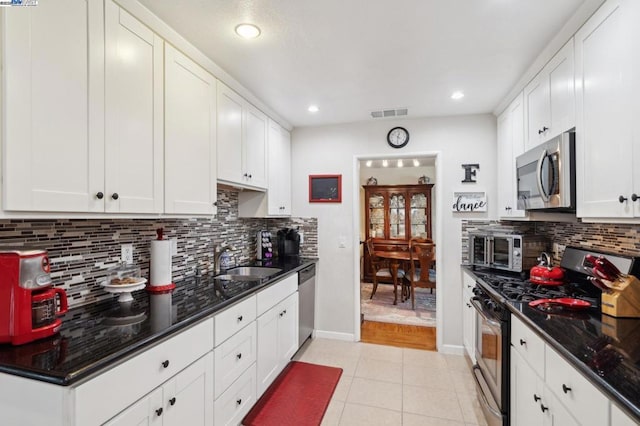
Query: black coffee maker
x=288 y=242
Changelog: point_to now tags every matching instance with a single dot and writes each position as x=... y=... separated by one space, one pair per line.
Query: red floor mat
x=298 y=396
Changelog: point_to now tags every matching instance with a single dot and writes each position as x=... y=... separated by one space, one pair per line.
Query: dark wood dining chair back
x=421 y=273
x=381 y=271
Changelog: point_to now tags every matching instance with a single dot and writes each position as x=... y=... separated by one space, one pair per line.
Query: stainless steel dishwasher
x=306 y=302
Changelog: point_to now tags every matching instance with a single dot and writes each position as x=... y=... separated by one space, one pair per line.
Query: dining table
x=395 y=258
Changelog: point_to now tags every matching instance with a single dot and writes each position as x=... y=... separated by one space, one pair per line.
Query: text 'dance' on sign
x=469 y=202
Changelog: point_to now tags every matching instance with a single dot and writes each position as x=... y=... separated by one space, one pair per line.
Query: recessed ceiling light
x=313 y=108
x=457 y=95
x=416 y=163
x=369 y=162
x=247 y=31
x=385 y=163
x=400 y=163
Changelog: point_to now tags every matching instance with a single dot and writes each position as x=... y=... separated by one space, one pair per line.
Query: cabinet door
x=560 y=69
x=619 y=418
x=190 y=136
x=468 y=317
x=53 y=90
x=267 y=361
x=285 y=172
x=376 y=202
x=188 y=397
x=419 y=214
x=396 y=211
x=526 y=395
x=229 y=134
x=279 y=171
x=146 y=412
x=604 y=120
x=505 y=164
x=287 y=329
x=133 y=118
x=536 y=106
x=254 y=153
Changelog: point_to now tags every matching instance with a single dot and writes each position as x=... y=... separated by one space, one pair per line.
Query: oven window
x=502 y=252
x=489 y=353
x=479 y=250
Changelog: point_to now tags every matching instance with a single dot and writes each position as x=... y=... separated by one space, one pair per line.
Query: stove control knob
x=477 y=291
x=516 y=253
x=491 y=305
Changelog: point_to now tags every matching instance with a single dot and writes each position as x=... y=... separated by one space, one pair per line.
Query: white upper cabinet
x=549 y=99
x=608 y=107
x=279 y=166
x=190 y=136
x=53 y=93
x=133 y=120
x=510 y=145
x=242 y=141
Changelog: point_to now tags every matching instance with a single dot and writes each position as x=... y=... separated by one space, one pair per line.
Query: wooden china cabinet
x=393 y=215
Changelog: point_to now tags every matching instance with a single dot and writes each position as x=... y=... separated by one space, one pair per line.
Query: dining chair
x=421 y=273
x=381 y=269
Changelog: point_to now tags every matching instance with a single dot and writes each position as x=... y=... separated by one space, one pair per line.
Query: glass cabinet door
x=376 y=216
x=397 y=207
x=419 y=215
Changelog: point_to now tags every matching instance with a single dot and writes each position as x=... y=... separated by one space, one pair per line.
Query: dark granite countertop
x=606 y=350
x=95 y=337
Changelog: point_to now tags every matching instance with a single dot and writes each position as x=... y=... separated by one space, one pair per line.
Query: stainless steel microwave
x=546 y=175
x=507 y=252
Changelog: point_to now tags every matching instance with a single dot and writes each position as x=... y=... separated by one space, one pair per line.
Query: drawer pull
x=523 y=342
x=543 y=408
x=172 y=401
x=536 y=398
x=159 y=411
x=239 y=401
x=240 y=318
x=239 y=355
x=565 y=388
x=165 y=363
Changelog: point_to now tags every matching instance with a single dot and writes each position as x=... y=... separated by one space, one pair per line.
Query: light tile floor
x=384 y=385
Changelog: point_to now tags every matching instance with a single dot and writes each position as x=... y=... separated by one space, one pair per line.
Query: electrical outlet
x=174 y=246
x=301 y=237
x=126 y=253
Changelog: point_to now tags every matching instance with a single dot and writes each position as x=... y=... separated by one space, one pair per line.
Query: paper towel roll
x=160 y=262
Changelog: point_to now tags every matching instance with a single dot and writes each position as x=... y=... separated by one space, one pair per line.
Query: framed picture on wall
x=325 y=188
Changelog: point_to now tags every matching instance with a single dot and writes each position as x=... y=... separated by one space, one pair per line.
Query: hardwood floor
x=400 y=335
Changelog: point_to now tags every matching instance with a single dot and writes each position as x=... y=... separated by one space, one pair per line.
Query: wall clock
x=398 y=137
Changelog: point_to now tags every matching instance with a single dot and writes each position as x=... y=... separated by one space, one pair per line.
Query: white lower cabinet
x=546 y=389
x=233 y=357
x=619 y=418
x=469 y=325
x=237 y=400
x=183 y=400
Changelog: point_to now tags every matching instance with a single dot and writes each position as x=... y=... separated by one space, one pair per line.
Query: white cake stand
x=124 y=290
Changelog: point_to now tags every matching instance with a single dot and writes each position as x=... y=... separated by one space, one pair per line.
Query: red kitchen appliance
x=545 y=274
x=29 y=307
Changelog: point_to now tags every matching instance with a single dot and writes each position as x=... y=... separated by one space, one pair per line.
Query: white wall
x=397 y=175
x=331 y=150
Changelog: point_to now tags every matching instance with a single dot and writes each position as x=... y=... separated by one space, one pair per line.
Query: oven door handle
x=474 y=302
x=476 y=371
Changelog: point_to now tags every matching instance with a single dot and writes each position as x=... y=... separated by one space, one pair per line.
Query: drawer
x=236 y=401
x=271 y=296
x=233 y=357
x=234 y=319
x=137 y=376
x=619 y=418
x=528 y=344
x=583 y=400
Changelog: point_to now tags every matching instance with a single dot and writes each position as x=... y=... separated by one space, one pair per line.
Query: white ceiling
x=352 y=57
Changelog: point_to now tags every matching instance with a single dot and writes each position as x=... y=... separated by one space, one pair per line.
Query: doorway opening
x=396 y=203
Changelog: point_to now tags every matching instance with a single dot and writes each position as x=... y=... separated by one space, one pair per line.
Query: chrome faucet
x=217 y=253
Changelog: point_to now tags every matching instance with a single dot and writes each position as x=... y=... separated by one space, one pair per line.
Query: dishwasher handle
x=306 y=273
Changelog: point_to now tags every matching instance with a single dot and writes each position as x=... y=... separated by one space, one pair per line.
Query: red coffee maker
x=28 y=300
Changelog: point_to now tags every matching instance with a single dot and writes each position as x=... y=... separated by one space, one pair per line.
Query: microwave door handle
x=489 y=252
x=543 y=194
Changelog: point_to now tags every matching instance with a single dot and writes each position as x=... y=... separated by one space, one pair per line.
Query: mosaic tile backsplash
x=81 y=250
x=606 y=237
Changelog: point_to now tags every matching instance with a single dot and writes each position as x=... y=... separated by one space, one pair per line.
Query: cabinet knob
x=159 y=411
x=239 y=401
x=468 y=305
x=250 y=176
x=215 y=203
x=165 y=363
x=543 y=408
x=536 y=398
x=115 y=196
x=544 y=129
x=634 y=197
x=565 y=388
x=622 y=199
x=240 y=318
x=239 y=356
x=100 y=195
x=523 y=342
x=282 y=313
x=172 y=401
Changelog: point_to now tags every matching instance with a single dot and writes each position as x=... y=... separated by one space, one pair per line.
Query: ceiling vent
x=397 y=112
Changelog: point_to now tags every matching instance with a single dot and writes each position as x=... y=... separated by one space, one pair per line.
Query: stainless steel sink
x=256 y=272
x=232 y=277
